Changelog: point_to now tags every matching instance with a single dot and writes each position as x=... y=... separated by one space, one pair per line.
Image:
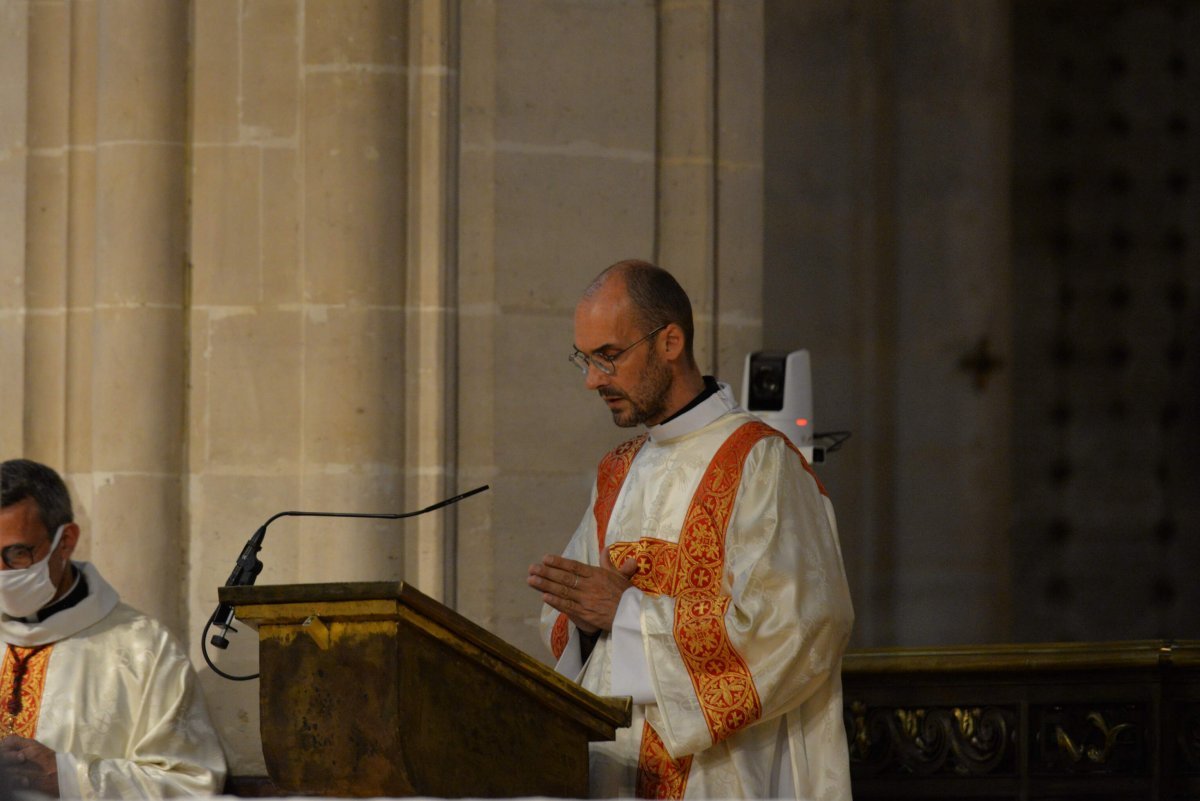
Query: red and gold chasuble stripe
x=610 y=476
x=22 y=680
x=691 y=572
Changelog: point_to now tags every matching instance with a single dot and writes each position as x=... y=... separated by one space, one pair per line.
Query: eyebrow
x=605 y=346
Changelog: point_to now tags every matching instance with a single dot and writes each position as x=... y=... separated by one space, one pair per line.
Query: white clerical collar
x=101 y=599
x=712 y=408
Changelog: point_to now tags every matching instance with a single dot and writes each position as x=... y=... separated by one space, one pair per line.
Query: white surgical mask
x=28 y=589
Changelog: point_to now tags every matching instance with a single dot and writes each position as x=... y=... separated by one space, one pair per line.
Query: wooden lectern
x=377 y=690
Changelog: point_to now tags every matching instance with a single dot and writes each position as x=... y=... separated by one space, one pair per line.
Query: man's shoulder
x=627 y=448
x=713 y=435
x=131 y=625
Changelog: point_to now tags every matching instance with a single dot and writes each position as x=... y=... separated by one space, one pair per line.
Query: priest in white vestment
x=706 y=578
x=97 y=700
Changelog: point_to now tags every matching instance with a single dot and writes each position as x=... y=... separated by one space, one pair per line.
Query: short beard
x=647 y=400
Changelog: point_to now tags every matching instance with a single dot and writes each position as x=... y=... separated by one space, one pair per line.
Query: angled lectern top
x=374 y=689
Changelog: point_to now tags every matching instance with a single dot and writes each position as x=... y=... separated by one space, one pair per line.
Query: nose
x=594 y=378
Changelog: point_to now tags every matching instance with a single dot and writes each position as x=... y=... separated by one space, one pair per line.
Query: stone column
x=354 y=192
x=46 y=251
x=96 y=310
x=14 y=66
x=557 y=181
x=300 y=324
x=137 y=344
x=709 y=215
x=590 y=133
x=431 y=424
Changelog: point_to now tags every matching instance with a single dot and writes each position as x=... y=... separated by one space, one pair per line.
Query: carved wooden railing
x=1044 y=721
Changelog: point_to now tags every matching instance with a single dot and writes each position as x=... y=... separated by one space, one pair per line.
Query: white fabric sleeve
x=570 y=664
x=630 y=670
x=68 y=786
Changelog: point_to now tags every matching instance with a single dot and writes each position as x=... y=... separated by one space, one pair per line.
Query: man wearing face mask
x=97 y=700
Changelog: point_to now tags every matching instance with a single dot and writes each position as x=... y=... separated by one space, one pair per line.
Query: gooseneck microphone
x=249 y=566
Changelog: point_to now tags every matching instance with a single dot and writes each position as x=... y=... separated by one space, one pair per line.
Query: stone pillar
x=46 y=251
x=97 y=300
x=14 y=88
x=137 y=346
x=557 y=181
x=686 y=233
x=246 y=324
x=354 y=177
x=300 y=326
x=738 y=228
x=431 y=424
x=590 y=133
x=709 y=213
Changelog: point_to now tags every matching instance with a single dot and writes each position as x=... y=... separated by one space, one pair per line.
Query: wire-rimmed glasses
x=603 y=362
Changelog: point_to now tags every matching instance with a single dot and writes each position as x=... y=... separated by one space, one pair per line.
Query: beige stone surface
x=49 y=60
x=562 y=220
x=575 y=77
x=540 y=396
x=354 y=198
x=688 y=63
x=81 y=226
x=140 y=224
x=12 y=388
x=216 y=78
x=142 y=96
x=137 y=390
x=251 y=363
x=367 y=32
x=45 y=386
x=82 y=105
x=135 y=521
x=740 y=98
x=226 y=226
x=282 y=265
x=334 y=549
x=14 y=100
x=80 y=416
x=354 y=412
x=46 y=231
x=270 y=61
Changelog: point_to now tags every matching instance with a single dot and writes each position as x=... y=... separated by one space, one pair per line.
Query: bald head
x=655 y=297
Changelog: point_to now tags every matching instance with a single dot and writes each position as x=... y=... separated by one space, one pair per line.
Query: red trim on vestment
x=26 y=667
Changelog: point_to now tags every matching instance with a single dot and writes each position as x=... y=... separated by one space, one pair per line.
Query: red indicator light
x=801 y=421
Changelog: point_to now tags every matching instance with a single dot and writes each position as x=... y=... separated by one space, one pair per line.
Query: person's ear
x=69 y=539
x=672 y=339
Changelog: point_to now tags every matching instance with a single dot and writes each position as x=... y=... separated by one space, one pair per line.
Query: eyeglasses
x=17 y=557
x=603 y=363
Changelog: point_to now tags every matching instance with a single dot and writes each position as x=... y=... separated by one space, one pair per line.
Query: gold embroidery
x=721 y=677
x=611 y=475
x=658 y=775
x=22 y=680
x=657 y=563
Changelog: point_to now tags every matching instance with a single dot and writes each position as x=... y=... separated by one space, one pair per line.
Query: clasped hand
x=586 y=594
x=27 y=764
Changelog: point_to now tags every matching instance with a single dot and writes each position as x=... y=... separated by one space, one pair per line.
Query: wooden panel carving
x=1047 y=720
